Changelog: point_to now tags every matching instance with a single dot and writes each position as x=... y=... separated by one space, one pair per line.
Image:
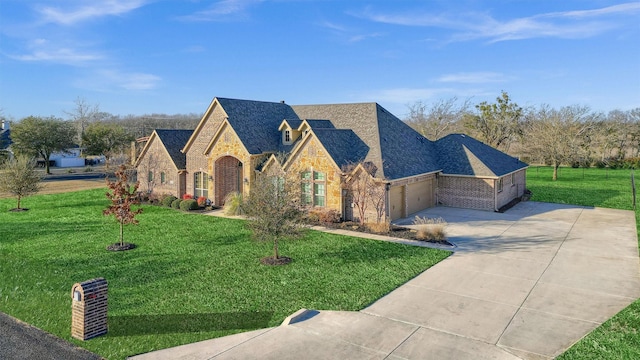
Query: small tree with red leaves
x=122 y=196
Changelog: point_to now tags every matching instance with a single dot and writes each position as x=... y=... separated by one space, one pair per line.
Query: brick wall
x=466 y=192
x=157 y=160
x=196 y=160
x=511 y=191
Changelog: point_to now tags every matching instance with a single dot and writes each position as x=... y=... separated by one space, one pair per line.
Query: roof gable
x=463 y=155
x=201 y=124
x=173 y=141
x=256 y=122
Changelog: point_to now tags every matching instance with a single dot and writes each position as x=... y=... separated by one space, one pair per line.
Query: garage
x=396 y=202
x=420 y=196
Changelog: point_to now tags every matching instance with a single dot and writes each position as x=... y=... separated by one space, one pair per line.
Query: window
x=163 y=178
x=287 y=136
x=313 y=188
x=150 y=176
x=513 y=179
x=201 y=184
x=499 y=185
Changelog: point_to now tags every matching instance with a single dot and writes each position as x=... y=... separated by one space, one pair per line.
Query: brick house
x=329 y=146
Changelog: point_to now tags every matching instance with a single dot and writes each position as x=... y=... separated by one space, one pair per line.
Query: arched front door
x=228 y=177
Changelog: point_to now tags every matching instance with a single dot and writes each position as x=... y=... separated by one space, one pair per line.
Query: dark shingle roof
x=320 y=124
x=256 y=122
x=394 y=147
x=293 y=123
x=463 y=155
x=343 y=145
x=173 y=141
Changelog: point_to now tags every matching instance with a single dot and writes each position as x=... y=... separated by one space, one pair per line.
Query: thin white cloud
x=469 y=26
x=96 y=9
x=403 y=95
x=473 y=78
x=131 y=81
x=223 y=10
x=42 y=50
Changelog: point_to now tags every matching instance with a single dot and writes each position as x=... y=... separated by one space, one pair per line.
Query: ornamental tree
x=122 y=196
x=19 y=178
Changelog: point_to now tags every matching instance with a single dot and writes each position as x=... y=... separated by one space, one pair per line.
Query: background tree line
x=570 y=135
x=95 y=132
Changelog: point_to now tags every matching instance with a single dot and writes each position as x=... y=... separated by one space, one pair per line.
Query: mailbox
x=89 y=309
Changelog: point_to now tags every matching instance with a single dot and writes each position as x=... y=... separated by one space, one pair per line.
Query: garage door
x=396 y=195
x=420 y=196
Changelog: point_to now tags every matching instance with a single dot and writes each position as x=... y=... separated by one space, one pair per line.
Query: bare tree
x=274 y=211
x=19 y=178
x=365 y=190
x=559 y=136
x=439 y=119
x=83 y=114
x=497 y=124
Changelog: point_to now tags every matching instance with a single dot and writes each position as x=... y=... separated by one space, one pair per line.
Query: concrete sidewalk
x=524 y=284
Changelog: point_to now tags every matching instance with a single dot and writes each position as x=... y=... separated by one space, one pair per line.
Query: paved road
x=19 y=340
x=83 y=176
x=525 y=284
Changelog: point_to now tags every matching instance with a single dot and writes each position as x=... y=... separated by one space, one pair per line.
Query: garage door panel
x=397 y=202
x=420 y=196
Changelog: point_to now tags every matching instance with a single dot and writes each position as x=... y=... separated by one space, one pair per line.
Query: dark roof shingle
x=463 y=155
x=173 y=141
x=343 y=145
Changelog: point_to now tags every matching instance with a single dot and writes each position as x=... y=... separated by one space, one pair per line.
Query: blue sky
x=172 y=56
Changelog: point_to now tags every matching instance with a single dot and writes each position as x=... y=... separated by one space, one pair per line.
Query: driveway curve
x=526 y=284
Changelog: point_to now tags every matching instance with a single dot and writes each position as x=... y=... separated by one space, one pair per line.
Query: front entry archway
x=228 y=177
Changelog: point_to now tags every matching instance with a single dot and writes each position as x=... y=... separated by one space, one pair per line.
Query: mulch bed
x=395 y=231
x=119 y=247
x=270 y=260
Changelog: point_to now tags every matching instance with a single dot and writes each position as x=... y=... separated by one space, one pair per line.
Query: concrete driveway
x=527 y=284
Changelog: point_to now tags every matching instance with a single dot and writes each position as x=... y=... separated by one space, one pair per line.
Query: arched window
x=201 y=184
x=313 y=188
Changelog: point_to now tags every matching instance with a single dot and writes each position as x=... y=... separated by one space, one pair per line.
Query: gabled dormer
x=289 y=130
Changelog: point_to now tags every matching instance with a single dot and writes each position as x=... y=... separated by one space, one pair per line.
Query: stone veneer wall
x=228 y=144
x=313 y=157
x=466 y=192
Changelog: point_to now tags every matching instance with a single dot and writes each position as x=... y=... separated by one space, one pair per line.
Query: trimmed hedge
x=176 y=204
x=168 y=200
x=189 y=204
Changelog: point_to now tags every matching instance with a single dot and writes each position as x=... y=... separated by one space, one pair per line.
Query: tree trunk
x=19 y=198
x=275 y=249
x=555 y=171
x=121 y=234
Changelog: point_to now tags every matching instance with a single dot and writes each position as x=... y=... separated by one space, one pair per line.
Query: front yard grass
x=192 y=277
x=619 y=337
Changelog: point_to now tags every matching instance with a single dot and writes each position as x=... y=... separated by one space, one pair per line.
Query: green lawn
x=192 y=277
x=618 y=338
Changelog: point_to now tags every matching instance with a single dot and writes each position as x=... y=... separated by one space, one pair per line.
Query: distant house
x=71 y=157
x=328 y=146
x=5 y=135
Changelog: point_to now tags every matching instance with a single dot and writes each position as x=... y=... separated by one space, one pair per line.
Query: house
x=330 y=147
x=161 y=166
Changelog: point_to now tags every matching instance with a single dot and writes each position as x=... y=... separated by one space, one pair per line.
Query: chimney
x=5 y=124
x=282 y=102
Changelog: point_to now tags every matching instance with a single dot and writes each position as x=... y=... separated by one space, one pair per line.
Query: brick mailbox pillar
x=89 y=309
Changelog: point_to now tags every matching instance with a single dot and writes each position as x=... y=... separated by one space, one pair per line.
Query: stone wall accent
x=227 y=147
x=466 y=192
x=157 y=161
x=89 y=309
x=313 y=157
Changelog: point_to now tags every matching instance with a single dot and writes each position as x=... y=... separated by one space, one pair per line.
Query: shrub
x=188 y=204
x=601 y=164
x=430 y=229
x=187 y=197
x=202 y=201
x=233 y=204
x=168 y=200
x=379 y=228
x=176 y=204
